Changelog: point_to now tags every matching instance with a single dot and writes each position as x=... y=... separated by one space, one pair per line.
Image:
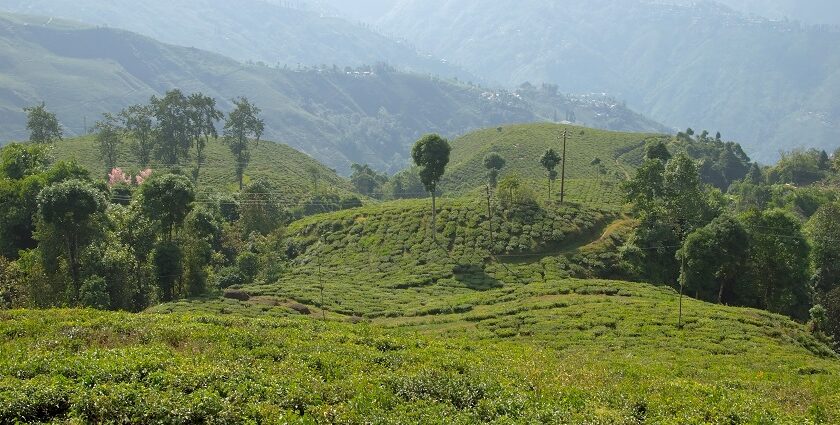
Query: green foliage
x=261 y=209
x=167 y=200
x=523 y=145
x=824 y=231
x=203 y=116
x=657 y=150
x=778 y=264
x=248 y=264
x=42 y=125
x=18 y=160
x=494 y=163
x=431 y=154
x=167 y=259
x=70 y=214
x=109 y=138
x=367 y=181
x=279 y=164
x=172 y=131
x=549 y=160
x=242 y=125
x=94 y=294
x=800 y=167
x=138 y=124
x=712 y=260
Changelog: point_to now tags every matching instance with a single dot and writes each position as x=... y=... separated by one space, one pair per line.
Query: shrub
x=249 y=265
x=236 y=294
x=300 y=308
x=230 y=276
x=94 y=293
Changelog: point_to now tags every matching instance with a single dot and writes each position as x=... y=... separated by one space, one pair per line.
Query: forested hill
x=271 y=31
x=771 y=85
x=337 y=115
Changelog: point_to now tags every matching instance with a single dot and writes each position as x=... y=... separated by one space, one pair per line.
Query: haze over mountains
x=365 y=115
x=700 y=65
x=682 y=63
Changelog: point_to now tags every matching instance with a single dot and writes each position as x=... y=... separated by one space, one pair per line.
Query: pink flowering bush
x=117 y=176
x=143 y=176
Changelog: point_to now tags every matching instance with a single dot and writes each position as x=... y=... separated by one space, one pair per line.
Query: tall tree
x=69 y=212
x=366 y=180
x=778 y=262
x=823 y=231
x=167 y=200
x=109 y=136
x=712 y=259
x=494 y=163
x=172 y=134
x=138 y=123
x=684 y=197
x=243 y=123
x=261 y=210
x=549 y=161
x=203 y=118
x=431 y=154
x=42 y=124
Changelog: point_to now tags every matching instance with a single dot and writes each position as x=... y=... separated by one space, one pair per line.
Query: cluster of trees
x=173 y=130
x=721 y=248
x=64 y=242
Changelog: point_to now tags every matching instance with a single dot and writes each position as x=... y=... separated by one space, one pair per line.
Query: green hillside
x=365 y=115
x=593 y=156
x=380 y=260
x=562 y=352
x=286 y=168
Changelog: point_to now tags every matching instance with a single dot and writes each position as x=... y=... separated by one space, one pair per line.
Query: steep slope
x=369 y=115
x=591 y=155
x=286 y=168
x=271 y=31
x=768 y=84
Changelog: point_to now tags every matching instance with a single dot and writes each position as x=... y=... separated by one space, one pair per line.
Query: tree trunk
x=434 y=218
x=549 y=189
x=74 y=269
x=490 y=218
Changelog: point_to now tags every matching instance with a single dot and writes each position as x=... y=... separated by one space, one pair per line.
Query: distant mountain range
x=771 y=85
x=337 y=115
x=289 y=33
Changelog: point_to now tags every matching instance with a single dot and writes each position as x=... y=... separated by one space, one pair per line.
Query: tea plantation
x=586 y=365
x=591 y=155
x=284 y=167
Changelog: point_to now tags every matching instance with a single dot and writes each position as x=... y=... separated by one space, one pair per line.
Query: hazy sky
x=807 y=11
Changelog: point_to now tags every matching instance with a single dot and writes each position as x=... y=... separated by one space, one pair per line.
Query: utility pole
x=563 y=169
x=682 y=270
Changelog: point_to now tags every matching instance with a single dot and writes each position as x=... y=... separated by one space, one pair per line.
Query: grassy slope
x=523 y=145
x=285 y=167
x=380 y=260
